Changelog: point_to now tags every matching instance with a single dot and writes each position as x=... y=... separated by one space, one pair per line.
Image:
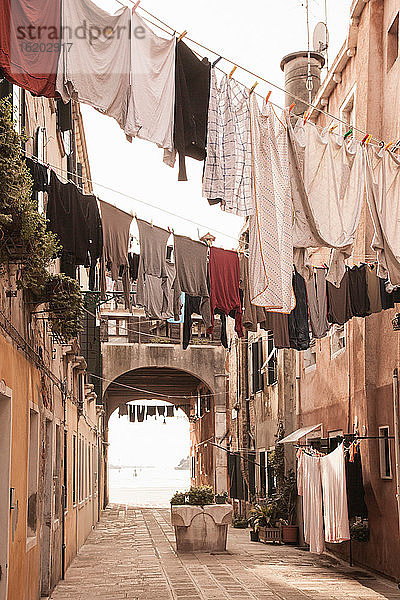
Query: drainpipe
x=396 y=437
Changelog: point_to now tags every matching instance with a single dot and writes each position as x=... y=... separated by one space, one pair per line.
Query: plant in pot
x=359 y=530
x=263 y=522
x=286 y=502
x=239 y=522
x=221 y=498
x=200 y=524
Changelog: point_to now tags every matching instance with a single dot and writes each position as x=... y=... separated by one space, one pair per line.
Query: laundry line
x=173 y=31
x=168 y=212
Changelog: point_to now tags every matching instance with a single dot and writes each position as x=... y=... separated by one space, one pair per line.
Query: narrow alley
x=131 y=554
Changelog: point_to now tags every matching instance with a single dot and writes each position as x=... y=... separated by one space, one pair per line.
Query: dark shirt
x=224 y=285
x=299 y=333
x=359 y=291
x=39 y=175
x=387 y=299
x=192 y=90
x=339 y=301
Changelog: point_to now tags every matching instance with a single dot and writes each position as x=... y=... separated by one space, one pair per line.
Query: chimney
x=295 y=68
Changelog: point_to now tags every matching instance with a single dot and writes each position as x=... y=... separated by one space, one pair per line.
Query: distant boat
x=184 y=465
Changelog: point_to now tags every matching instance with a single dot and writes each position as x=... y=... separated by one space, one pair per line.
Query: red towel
x=224 y=285
x=30 y=44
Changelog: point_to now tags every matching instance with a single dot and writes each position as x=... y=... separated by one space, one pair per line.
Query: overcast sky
x=256 y=34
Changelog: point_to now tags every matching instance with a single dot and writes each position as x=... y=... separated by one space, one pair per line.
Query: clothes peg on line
x=135 y=6
x=291 y=107
x=307 y=115
x=267 y=97
x=364 y=139
x=216 y=61
x=253 y=88
x=348 y=133
x=232 y=72
x=369 y=138
x=388 y=145
x=332 y=129
x=182 y=35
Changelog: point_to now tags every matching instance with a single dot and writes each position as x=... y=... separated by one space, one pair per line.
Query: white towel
x=95 y=60
x=152 y=102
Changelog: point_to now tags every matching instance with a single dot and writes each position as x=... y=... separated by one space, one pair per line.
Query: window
x=118 y=329
x=347 y=112
x=238 y=372
x=310 y=356
x=257 y=363
x=385 y=461
x=393 y=43
x=272 y=358
x=57 y=474
x=193 y=467
x=263 y=474
x=33 y=470
x=338 y=340
x=74 y=472
x=65 y=486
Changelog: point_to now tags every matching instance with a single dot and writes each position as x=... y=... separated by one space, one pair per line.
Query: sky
x=256 y=34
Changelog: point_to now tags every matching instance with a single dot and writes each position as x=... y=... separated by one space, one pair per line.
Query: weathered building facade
x=49 y=422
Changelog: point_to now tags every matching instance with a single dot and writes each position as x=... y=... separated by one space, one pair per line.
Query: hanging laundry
x=39 y=174
x=358 y=291
x=161 y=411
x=155 y=274
x=355 y=486
x=26 y=25
x=299 y=333
x=132 y=413
x=224 y=286
x=192 y=306
x=170 y=411
x=192 y=91
x=387 y=300
x=373 y=289
x=140 y=413
x=310 y=488
x=228 y=167
x=191 y=275
x=151 y=411
x=270 y=228
x=334 y=492
x=327 y=178
x=116 y=226
x=152 y=99
x=123 y=410
x=95 y=62
x=75 y=218
x=339 y=301
x=383 y=189
x=317 y=303
x=133 y=265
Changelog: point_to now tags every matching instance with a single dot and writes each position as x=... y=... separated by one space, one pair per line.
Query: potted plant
x=286 y=500
x=240 y=522
x=200 y=524
x=359 y=530
x=221 y=498
x=263 y=520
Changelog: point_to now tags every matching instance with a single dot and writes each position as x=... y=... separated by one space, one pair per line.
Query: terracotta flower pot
x=290 y=534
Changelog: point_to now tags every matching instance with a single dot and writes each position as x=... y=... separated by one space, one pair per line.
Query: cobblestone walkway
x=131 y=554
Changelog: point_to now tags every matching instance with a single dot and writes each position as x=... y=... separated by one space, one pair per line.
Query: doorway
x=47 y=507
x=5 y=492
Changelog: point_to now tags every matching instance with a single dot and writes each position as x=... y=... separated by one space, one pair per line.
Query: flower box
x=270 y=534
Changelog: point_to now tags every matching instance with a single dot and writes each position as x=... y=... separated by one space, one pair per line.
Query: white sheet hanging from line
x=270 y=228
x=383 y=193
x=334 y=492
x=152 y=101
x=310 y=488
x=327 y=177
x=95 y=60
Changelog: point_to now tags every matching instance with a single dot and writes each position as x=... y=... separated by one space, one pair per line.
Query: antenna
x=320 y=38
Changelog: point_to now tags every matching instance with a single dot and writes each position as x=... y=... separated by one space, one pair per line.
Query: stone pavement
x=131 y=554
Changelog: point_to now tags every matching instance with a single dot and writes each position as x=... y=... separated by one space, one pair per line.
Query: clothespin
x=369 y=138
x=232 y=72
x=348 y=133
x=216 y=61
x=331 y=129
x=151 y=222
x=135 y=6
x=306 y=116
x=291 y=107
x=253 y=88
x=364 y=139
x=388 y=145
x=268 y=96
x=182 y=35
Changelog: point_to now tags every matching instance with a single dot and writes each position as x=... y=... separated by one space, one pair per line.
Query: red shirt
x=30 y=44
x=224 y=285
